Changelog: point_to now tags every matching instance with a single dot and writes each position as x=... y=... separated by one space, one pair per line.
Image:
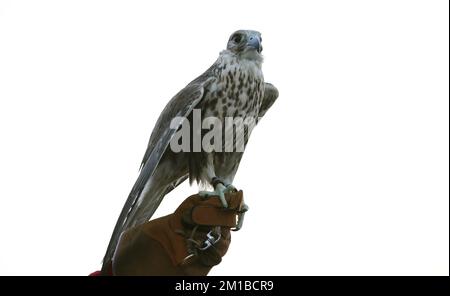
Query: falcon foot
x=219 y=190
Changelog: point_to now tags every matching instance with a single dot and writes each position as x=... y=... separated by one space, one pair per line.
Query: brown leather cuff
x=211 y=211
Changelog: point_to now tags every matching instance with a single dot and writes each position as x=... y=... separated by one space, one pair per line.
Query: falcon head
x=246 y=43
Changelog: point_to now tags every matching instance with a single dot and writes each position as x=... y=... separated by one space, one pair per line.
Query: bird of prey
x=232 y=87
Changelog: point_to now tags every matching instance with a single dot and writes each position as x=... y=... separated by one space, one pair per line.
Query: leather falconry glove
x=188 y=242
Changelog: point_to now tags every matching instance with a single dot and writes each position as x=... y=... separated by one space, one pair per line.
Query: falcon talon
x=240 y=222
x=241 y=215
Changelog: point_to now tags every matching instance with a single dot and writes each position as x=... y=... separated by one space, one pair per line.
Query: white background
x=346 y=175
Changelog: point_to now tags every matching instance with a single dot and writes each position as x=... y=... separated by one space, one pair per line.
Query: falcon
x=233 y=87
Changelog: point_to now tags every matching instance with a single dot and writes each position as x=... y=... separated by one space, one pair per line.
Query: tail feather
x=137 y=210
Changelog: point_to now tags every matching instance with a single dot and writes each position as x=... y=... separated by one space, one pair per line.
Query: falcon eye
x=237 y=38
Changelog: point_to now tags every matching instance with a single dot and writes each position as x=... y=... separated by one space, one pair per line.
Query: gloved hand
x=188 y=242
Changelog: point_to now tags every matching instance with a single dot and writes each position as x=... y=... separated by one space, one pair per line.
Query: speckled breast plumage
x=237 y=92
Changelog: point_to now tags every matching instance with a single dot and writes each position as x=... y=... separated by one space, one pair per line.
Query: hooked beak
x=255 y=42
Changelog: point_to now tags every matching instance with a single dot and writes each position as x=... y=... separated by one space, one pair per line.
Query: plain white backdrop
x=347 y=174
